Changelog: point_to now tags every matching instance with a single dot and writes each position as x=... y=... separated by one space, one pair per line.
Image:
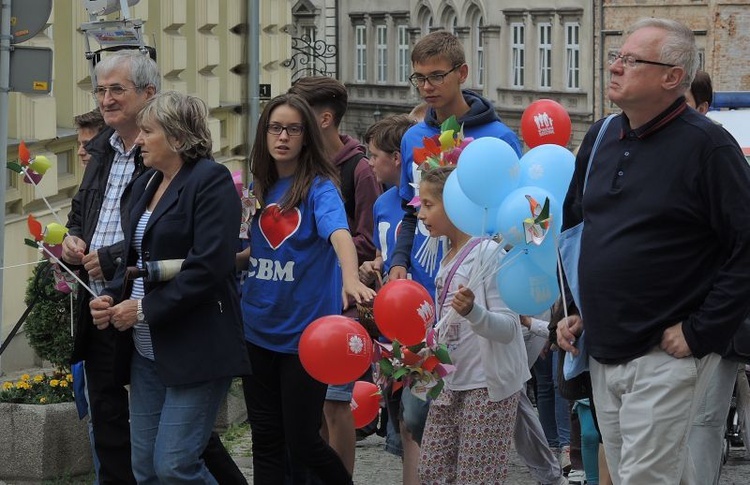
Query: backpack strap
x=347 y=183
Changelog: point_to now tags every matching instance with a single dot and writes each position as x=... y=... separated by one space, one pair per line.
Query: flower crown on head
x=440 y=150
x=444 y=148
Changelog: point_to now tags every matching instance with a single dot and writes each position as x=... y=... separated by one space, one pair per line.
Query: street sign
x=27 y=18
x=31 y=70
x=264 y=91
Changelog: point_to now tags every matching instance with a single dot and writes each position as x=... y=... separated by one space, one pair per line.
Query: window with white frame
x=360 y=49
x=479 y=43
x=309 y=33
x=518 y=54
x=404 y=66
x=381 y=46
x=572 y=55
x=545 y=55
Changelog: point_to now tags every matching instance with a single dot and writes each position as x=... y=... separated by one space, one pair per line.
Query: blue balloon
x=524 y=287
x=545 y=254
x=516 y=208
x=465 y=214
x=549 y=167
x=488 y=169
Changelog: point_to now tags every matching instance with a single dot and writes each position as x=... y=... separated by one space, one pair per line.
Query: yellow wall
x=201 y=47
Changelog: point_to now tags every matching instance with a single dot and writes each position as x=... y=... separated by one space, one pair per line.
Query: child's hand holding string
x=463 y=301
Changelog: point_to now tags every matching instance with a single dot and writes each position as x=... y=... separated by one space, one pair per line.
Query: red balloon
x=545 y=122
x=365 y=403
x=403 y=309
x=335 y=349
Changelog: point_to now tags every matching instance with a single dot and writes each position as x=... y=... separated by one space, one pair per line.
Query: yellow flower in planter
x=42 y=389
x=69 y=378
x=25 y=377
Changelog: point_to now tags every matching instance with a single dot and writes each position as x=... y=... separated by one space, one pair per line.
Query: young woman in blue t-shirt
x=297 y=237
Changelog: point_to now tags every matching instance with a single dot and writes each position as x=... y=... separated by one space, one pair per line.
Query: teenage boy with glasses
x=440 y=69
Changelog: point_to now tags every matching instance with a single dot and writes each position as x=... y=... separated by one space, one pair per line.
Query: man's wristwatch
x=139 y=316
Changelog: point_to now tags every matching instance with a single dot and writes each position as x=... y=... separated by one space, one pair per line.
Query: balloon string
x=62 y=265
x=72 y=316
x=19 y=265
x=479 y=276
x=54 y=213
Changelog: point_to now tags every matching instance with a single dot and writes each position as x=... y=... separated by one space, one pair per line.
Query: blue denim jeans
x=170 y=426
x=554 y=411
x=414 y=413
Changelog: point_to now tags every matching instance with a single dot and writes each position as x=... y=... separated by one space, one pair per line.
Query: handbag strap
x=593 y=149
x=459 y=259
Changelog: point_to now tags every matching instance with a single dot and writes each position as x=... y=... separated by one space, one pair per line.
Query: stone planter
x=232 y=409
x=42 y=442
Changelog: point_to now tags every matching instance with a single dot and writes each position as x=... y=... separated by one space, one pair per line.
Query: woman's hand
x=124 y=314
x=101 y=311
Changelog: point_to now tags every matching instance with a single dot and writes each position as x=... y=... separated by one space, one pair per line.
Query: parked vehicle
x=732 y=110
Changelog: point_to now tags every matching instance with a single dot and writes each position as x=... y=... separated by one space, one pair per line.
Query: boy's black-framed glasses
x=418 y=80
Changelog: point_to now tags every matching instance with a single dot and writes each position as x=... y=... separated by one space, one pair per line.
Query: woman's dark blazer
x=194 y=318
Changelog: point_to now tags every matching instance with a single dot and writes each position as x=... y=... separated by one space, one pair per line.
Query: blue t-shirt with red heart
x=293 y=275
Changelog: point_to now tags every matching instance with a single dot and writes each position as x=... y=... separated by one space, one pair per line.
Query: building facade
x=516 y=53
x=721 y=27
x=202 y=49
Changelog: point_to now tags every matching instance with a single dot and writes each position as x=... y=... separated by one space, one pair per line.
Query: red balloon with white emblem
x=403 y=310
x=545 y=122
x=335 y=349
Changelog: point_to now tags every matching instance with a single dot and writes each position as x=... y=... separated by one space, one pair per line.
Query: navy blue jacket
x=194 y=318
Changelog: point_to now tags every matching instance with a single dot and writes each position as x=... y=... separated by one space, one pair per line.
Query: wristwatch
x=139 y=316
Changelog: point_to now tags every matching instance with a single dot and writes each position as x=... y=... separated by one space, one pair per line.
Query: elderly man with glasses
x=664 y=270
x=125 y=81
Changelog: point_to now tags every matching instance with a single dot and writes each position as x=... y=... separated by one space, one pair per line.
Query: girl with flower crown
x=470 y=424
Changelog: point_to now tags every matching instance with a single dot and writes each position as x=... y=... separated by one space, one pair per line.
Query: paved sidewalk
x=375 y=466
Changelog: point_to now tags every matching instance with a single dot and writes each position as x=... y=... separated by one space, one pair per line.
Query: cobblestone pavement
x=375 y=466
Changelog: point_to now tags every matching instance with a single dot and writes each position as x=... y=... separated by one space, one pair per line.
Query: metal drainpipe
x=4 y=106
x=336 y=37
x=253 y=73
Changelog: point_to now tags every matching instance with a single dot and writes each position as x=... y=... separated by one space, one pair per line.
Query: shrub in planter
x=48 y=325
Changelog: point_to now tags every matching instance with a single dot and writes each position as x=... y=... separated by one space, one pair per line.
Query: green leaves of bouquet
x=417 y=366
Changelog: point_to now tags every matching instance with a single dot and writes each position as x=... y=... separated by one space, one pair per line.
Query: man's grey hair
x=143 y=70
x=679 y=46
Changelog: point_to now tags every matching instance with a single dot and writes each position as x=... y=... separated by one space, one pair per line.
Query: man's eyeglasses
x=291 y=130
x=116 y=91
x=630 y=61
x=418 y=80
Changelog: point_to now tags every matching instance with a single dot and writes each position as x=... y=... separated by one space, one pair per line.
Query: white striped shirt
x=109 y=229
x=141 y=332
